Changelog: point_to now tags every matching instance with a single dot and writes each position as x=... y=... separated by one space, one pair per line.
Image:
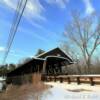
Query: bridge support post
x=43 y=78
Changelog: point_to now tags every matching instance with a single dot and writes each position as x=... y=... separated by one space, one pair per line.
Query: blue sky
x=41 y=26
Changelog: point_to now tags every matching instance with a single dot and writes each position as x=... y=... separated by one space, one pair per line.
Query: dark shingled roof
x=55 y=51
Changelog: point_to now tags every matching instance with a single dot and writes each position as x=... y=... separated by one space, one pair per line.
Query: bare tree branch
x=83 y=30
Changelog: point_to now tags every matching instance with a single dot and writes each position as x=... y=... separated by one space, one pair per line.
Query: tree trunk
x=89 y=65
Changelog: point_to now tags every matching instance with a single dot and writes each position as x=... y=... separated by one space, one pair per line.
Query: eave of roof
x=57 y=57
x=63 y=58
x=52 y=50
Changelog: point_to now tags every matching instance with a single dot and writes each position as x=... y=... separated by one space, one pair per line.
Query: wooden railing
x=90 y=79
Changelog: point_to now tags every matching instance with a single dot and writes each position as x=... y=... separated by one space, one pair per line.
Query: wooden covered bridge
x=47 y=64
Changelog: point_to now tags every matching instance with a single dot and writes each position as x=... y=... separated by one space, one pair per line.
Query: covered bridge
x=48 y=63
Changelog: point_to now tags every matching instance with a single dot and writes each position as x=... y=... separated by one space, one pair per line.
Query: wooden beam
x=43 y=77
x=44 y=66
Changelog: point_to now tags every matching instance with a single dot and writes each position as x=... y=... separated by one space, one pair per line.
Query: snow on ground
x=1 y=82
x=64 y=91
x=2 y=79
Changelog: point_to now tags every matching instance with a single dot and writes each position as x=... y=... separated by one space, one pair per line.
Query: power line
x=18 y=14
x=14 y=20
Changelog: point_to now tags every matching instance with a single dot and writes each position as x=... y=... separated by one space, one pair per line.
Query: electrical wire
x=18 y=14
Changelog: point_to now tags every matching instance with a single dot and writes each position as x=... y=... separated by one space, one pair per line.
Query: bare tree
x=84 y=32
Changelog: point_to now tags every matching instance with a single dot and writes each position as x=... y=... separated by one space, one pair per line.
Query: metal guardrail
x=91 y=79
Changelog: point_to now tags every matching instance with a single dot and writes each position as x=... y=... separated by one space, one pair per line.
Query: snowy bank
x=64 y=91
x=2 y=83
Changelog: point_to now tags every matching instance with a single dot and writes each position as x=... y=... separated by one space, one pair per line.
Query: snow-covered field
x=64 y=91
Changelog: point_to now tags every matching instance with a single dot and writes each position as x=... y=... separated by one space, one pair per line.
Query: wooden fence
x=89 y=79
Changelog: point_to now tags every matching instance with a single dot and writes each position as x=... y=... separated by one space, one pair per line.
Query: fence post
x=61 y=79
x=55 y=78
x=69 y=81
x=50 y=79
x=91 y=81
x=78 y=80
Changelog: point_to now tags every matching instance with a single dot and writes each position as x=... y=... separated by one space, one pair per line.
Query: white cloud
x=2 y=49
x=13 y=52
x=89 y=8
x=34 y=10
x=59 y=3
x=30 y=32
x=10 y=3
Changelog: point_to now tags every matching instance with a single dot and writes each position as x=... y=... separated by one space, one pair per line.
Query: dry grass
x=28 y=91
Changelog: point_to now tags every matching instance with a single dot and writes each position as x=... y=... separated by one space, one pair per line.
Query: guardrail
x=91 y=79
